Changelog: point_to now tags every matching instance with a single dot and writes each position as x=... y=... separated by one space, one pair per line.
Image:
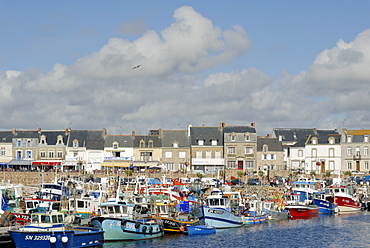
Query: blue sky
x=278 y=49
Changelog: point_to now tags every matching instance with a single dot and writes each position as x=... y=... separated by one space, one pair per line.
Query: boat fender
x=137 y=225
x=255 y=219
x=150 y=229
x=182 y=228
x=144 y=229
x=123 y=223
x=53 y=240
x=64 y=239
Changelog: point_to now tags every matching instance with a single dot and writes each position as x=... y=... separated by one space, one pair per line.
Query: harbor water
x=342 y=230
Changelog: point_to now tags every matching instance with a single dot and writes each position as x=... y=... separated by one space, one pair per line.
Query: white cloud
x=172 y=86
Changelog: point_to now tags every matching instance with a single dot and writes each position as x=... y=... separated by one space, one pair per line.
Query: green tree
x=313 y=174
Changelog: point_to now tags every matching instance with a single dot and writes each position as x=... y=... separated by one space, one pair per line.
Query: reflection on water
x=343 y=230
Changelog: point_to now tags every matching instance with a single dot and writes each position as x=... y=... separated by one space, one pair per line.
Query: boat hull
x=217 y=217
x=201 y=230
x=325 y=207
x=129 y=230
x=171 y=225
x=252 y=220
x=346 y=204
x=80 y=237
x=302 y=211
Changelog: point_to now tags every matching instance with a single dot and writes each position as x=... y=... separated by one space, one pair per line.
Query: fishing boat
x=253 y=213
x=123 y=221
x=218 y=212
x=174 y=220
x=201 y=230
x=298 y=209
x=52 y=229
x=320 y=199
x=345 y=201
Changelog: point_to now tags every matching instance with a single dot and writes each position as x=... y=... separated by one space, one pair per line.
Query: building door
x=323 y=167
x=358 y=165
x=240 y=165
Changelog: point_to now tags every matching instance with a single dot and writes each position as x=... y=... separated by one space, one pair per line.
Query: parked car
x=355 y=172
x=253 y=181
x=236 y=182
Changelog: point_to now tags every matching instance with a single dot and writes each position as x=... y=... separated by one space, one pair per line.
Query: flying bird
x=135 y=67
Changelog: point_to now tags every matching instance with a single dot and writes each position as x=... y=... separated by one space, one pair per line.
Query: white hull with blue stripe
x=218 y=217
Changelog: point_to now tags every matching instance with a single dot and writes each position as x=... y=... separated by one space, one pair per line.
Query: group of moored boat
x=149 y=212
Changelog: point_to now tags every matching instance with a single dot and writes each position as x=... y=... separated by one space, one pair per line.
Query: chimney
x=14 y=130
x=133 y=134
x=280 y=137
x=159 y=132
x=222 y=125
x=67 y=131
x=253 y=124
x=268 y=135
x=39 y=130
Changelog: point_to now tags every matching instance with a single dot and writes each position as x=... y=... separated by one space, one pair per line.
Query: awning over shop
x=46 y=163
x=3 y=164
x=115 y=164
x=20 y=162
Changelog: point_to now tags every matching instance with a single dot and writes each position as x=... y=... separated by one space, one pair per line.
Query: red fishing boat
x=345 y=201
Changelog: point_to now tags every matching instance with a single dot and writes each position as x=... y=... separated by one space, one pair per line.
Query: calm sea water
x=343 y=230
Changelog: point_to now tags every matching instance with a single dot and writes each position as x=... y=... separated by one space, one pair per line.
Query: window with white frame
x=182 y=154
x=19 y=143
x=231 y=150
x=214 y=142
x=168 y=154
x=264 y=156
x=249 y=164
x=28 y=143
x=366 y=165
x=366 y=150
x=314 y=152
x=59 y=154
x=115 y=146
x=199 y=154
x=247 y=137
x=51 y=154
x=75 y=143
x=272 y=156
x=208 y=154
x=300 y=153
x=349 y=165
x=169 y=166
x=265 y=148
x=349 y=151
x=150 y=144
x=331 y=165
x=349 y=139
x=331 y=140
x=2 y=151
x=217 y=154
x=366 y=138
x=331 y=152
x=231 y=164
x=200 y=142
x=42 y=154
x=28 y=154
x=232 y=136
x=248 y=150
x=175 y=144
x=314 y=140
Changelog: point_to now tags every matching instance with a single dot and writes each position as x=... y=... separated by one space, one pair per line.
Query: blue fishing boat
x=122 y=221
x=218 y=212
x=50 y=229
x=201 y=230
x=325 y=206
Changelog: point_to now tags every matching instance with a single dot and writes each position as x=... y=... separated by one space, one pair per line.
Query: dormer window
x=349 y=139
x=265 y=148
x=75 y=143
x=233 y=137
x=142 y=144
x=150 y=144
x=314 y=140
x=366 y=138
x=214 y=142
x=247 y=137
x=200 y=142
x=60 y=140
x=43 y=140
x=331 y=141
x=29 y=142
x=175 y=144
x=19 y=143
x=115 y=145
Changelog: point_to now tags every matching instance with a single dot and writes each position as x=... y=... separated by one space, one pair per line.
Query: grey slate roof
x=207 y=134
x=324 y=139
x=157 y=142
x=123 y=140
x=273 y=144
x=91 y=139
x=239 y=129
x=170 y=136
x=296 y=134
x=7 y=136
